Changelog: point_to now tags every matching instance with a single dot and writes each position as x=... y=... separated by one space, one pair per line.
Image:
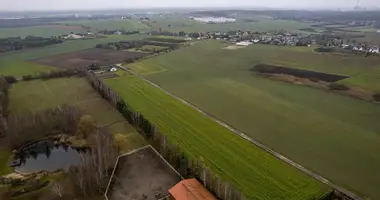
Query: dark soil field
x=81 y=59
x=142 y=175
x=271 y=69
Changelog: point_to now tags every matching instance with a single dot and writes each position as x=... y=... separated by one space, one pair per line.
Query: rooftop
x=190 y=189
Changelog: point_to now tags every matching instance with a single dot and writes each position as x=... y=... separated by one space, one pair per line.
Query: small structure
x=188 y=39
x=118 y=33
x=190 y=189
x=113 y=69
x=244 y=43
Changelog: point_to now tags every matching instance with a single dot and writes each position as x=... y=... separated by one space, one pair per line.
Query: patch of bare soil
x=142 y=175
x=83 y=58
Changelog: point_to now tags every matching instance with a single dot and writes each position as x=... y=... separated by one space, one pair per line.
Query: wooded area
x=18 y=43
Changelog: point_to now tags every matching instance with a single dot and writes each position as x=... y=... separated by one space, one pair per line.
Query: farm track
x=255 y=142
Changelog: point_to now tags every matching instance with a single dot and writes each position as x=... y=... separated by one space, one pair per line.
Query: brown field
x=143 y=175
x=83 y=58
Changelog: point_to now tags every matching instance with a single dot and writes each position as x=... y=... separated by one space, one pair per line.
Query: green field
x=179 y=23
x=331 y=134
x=21 y=68
x=110 y=24
x=38 y=95
x=49 y=31
x=254 y=172
x=41 y=31
x=11 y=63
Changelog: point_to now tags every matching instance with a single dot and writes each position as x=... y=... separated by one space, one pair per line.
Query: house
x=73 y=36
x=244 y=43
x=117 y=33
x=113 y=69
x=188 y=38
x=190 y=189
x=256 y=41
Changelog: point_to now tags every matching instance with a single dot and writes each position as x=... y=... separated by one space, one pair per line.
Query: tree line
x=4 y=101
x=53 y=74
x=123 y=45
x=188 y=168
x=21 y=129
x=18 y=43
x=119 y=32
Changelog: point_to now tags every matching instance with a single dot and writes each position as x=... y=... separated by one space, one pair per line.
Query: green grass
x=5 y=155
x=253 y=171
x=20 y=68
x=179 y=23
x=110 y=24
x=331 y=134
x=144 y=68
x=42 y=31
x=69 y=46
x=38 y=95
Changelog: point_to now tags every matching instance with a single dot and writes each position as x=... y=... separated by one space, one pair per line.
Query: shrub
x=10 y=79
x=314 y=79
x=376 y=97
x=338 y=86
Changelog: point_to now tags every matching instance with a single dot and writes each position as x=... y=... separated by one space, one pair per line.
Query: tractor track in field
x=255 y=142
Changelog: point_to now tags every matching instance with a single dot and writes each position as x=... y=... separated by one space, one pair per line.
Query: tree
x=86 y=125
x=57 y=189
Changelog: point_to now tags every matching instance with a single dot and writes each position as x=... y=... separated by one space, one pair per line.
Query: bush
x=10 y=79
x=376 y=97
x=338 y=86
x=314 y=79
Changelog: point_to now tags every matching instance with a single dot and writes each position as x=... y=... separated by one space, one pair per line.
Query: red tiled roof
x=190 y=189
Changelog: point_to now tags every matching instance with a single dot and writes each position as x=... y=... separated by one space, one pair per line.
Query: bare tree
x=57 y=189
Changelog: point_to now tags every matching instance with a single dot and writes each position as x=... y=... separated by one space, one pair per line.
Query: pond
x=45 y=156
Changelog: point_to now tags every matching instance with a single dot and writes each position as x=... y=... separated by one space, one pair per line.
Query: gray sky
x=105 y=4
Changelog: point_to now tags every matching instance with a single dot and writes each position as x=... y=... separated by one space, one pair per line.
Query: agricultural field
x=84 y=58
x=21 y=68
x=38 y=95
x=253 y=171
x=185 y=24
x=316 y=128
x=41 y=31
x=109 y=24
x=10 y=63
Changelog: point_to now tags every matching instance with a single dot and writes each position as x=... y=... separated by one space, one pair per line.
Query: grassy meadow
x=36 y=95
x=41 y=31
x=110 y=24
x=73 y=26
x=328 y=133
x=180 y=23
x=256 y=173
x=15 y=63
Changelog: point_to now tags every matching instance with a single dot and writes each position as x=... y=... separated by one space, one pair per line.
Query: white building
x=244 y=43
x=188 y=38
x=113 y=69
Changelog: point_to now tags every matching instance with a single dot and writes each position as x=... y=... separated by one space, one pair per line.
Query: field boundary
x=255 y=142
x=132 y=152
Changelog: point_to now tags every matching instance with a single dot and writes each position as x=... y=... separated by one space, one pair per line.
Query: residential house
x=118 y=33
x=190 y=189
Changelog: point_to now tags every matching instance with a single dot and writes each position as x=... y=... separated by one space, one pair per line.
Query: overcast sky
x=105 y=4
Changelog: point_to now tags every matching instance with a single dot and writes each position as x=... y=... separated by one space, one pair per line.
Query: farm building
x=190 y=189
x=244 y=43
